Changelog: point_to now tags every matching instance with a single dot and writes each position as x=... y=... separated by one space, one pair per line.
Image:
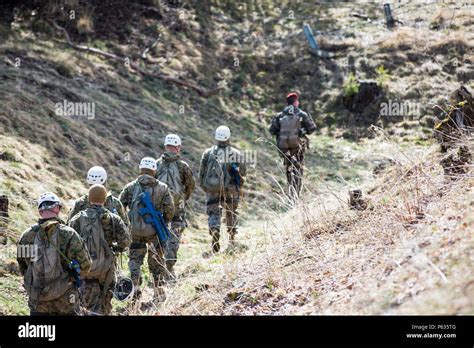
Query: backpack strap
x=136 y=192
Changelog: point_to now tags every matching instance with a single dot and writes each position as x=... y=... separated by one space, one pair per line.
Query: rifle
x=152 y=216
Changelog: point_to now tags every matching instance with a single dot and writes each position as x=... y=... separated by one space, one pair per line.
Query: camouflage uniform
x=227 y=198
x=138 y=248
x=294 y=158
x=460 y=119
x=97 y=293
x=70 y=246
x=178 y=223
x=111 y=203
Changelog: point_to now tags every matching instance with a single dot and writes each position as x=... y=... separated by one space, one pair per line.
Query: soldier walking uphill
x=104 y=234
x=290 y=128
x=178 y=176
x=52 y=257
x=98 y=175
x=221 y=177
x=144 y=233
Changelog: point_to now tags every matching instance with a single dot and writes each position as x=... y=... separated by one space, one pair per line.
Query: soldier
x=98 y=175
x=290 y=128
x=177 y=174
x=144 y=233
x=459 y=119
x=105 y=234
x=221 y=177
x=50 y=255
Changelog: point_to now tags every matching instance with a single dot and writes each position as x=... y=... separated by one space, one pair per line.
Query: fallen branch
x=203 y=92
x=361 y=16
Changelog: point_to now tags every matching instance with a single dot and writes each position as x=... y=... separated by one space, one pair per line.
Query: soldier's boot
x=215 y=245
x=232 y=243
x=170 y=275
x=137 y=293
x=215 y=241
x=159 y=295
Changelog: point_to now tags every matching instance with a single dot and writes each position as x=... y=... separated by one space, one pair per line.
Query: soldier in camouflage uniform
x=143 y=234
x=177 y=174
x=98 y=175
x=460 y=119
x=45 y=251
x=291 y=127
x=111 y=237
x=221 y=177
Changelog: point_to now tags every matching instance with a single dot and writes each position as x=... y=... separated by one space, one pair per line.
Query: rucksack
x=45 y=278
x=216 y=177
x=168 y=172
x=92 y=233
x=139 y=227
x=290 y=126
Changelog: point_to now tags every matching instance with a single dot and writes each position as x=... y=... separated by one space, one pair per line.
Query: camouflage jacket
x=71 y=245
x=185 y=173
x=307 y=122
x=111 y=203
x=164 y=203
x=230 y=155
x=116 y=233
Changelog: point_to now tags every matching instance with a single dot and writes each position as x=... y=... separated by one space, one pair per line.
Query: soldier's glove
x=302 y=132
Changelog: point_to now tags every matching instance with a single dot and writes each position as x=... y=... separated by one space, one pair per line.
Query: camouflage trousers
x=156 y=260
x=228 y=202
x=178 y=224
x=294 y=164
x=95 y=297
x=67 y=304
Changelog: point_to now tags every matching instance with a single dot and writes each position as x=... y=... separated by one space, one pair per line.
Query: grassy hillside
x=252 y=54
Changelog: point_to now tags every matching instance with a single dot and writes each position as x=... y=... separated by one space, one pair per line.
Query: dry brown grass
x=401 y=39
x=455 y=42
x=413 y=247
x=340 y=45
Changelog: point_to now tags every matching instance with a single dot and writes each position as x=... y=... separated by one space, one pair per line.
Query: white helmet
x=172 y=139
x=96 y=175
x=48 y=197
x=222 y=133
x=147 y=163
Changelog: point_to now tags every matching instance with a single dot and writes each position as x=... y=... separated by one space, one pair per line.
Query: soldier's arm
x=202 y=169
x=27 y=238
x=74 y=224
x=243 y=169
x=168 y=205
x=74 y=210
x=122 y=235
x=307 y=123
x=77 y=250
x=125 y=196
x=188 y=180
x=274 y=128
x=122 y=213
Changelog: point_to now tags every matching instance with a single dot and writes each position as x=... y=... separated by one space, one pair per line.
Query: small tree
x=351 y=85
x=382 y=76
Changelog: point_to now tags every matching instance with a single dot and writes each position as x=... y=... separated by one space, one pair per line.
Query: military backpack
x=290 y=126
x=92 y=233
